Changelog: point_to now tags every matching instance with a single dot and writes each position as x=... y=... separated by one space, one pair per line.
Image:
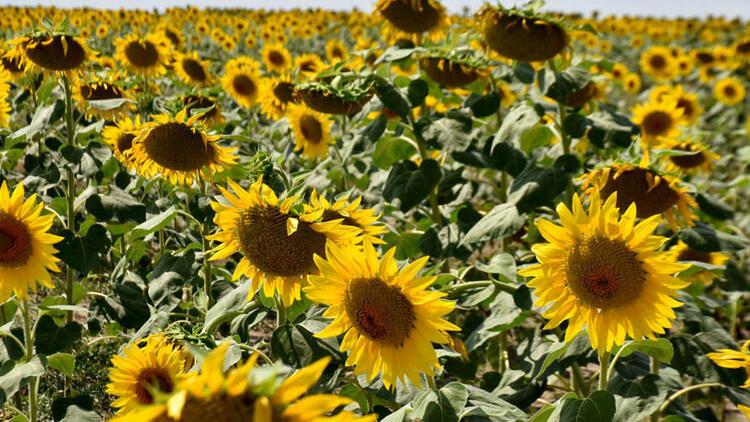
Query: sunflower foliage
x=399 y=215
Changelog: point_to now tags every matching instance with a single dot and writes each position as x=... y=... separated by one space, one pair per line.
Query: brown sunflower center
x=55 y=54
x=657 y=62
x=276 y=58
x=15 y=242
x=194 y=69
x=705 y=58
x=604 y=273
x=96 y=91
x=264 y=241
x=379 y=311
x=152 y=379
x=337 y=52
x=125 y=142
x=730 y=91
x=142 y=54
x=743 y=47
x=657 y=123
x=632 y=186
x=218 y=408
x=689 y=254
x=11 y=64
x=307 y=66
x=689 y=161
x=244 y=85
x=411 y=16
x=173 y=37
x=688 y=109
x=311 y=129
x=284 y=91
x=175 y=146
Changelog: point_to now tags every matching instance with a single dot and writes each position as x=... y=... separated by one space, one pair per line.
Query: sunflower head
x=277 y=94
x=697 y=157
x=657 y=62
x=448 y=73
x=308 y=65
x=191 y=69
x=601 y=270
x=519 y=36
x=119 y=136
x=143 y=55
x=659 y=120
x=312 y=131
x=653 y=193
x=711 y=263
x=54 y=52
x=276 y=57
x=195 y=102
x=179 y=149
x=729 y=91
x=412 y=18
x=352 y=213
x=88 y=93
x=241 y=80
x=734 y=359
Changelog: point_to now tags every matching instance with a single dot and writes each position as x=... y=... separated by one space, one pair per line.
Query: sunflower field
x=403 y=214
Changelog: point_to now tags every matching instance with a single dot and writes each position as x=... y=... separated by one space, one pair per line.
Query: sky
x=668 y=8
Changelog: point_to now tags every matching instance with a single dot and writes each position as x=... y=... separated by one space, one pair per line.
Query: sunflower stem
x=207 y=281
x=29 y=337
x=71 y=191
x=431 y=382
x=603 y=370
x=580 y=385
x=685 y=390
x=654 y=370
x=280 y=312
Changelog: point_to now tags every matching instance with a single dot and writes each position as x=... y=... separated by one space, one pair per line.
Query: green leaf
x=153 y=224
x=41 y=117
x=660 y=349
x=521 y=118
x=503 y=264
x=504 y=315
x=76 y=414
x=483 y=105
x=110 y=104
x=535 y=137
x=411 y=184
x=392 y=98
x=226 y=308
x=417 y=92
x=11 y=380
x=637 y=398
x=51 y=338
x=296 y=346
x=63 y=362
x=449 y=133
x=502 y=221
x=83 y=253
x=714 y=207
x=443 y=405
x=598 y=407
x=390 y=150
x=537 y=186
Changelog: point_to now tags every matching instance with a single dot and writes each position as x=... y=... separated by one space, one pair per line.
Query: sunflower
x=276 y=57
x=12 y=61
x=687 y=101
x=26 y=246
x=705 y=276
x=120 y=136
x=179 y=149
x=277 y=245
x=191 y=69
x=601 y=270
x=53 y=53
x=388 y=318
x=657 y=62
x=659 y=120
x=99 y=90
x=336 y=51
x=652 y=192
x=241 y=80
x=5 y=109
x=308 y=65
x=147 y=55
x=312 y=131
x=276 y=96
x=242 y=394
x=146 y=366
x=733 y=359
x=632 y=83
x=412 y=18
x=197 y=102
x=701 y=160
x=364 y=219
x=729 y=91
x=448 y=73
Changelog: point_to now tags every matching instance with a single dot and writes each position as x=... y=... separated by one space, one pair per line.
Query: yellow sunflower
x=702 y=159
x=26 y=246
x=733 y=359
x=657 y=62
x=52 y=53
x=198 y=102
x=276 y=57
x=312 y=131
x=686 y=101
x=659 y=120
x=729 y=91
x=145 y=368
x=412 y=18
x=5 y=109
x=241 y=80
x=685 y=253
x=601 y=270
x=364 y=219
x=143 y=55
x=119 y=136
x=632 y=83
x=179 y=149
x=277 y=245
x=241 y=395
x=652 y=192
x=12 y=61
x=388 y=318
x=336 y=51
x=308 y=65
x=99 y=90
x=191 y=69
x=276 y=96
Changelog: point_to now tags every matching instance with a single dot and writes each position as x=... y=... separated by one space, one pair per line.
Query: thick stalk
x=603 y=370
x=580 y=384
x=29 y=337
x=280 y=312
x=71 y=191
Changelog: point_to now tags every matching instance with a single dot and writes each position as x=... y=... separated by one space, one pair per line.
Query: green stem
x=503 y=346
x=733 y=316
x=29 y=336
x=685 y=390
x=207 y=279
x=431 y=382
x=580 y=384
x=280 y=312
x=71 y=190
x=654 y=370
x=603 y=370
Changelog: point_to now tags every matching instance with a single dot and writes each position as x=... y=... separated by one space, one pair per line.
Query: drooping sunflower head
x=211 y=112
x=352 y=214
x=277 y=94
x=710 y=263
x=146 y=368
x=95 y=96
x=449 y=73
x=143 y=55
x=119 y=136
x=659 y=120
x=276 y=57
x=179 y=149
x=277 y=245
x=388 y=318
x=54 y=52
x=519 y=36
x=653 y=193
x=241 y=80
x=729 y=91
x=312 y=131
x=657 y=62
x=26 y=246
x=191 y=69
x=412 y=18
x=698 y=157
x=601 y=270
